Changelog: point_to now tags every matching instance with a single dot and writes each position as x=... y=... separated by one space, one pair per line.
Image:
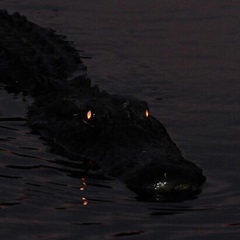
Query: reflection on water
x=84 y=199
x=184 y=59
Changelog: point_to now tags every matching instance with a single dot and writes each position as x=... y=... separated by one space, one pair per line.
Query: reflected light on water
x=160 y=185
x=84 y=199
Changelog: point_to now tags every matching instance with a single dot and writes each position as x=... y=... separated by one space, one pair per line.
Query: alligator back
x=35 y=58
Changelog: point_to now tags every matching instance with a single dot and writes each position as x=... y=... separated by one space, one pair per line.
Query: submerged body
x=113 y=133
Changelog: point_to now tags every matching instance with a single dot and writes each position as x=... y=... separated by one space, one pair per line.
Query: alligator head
x=119 y=134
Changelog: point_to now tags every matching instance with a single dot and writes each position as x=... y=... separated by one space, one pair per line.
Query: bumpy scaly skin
x=33 y=55
x=119 y=137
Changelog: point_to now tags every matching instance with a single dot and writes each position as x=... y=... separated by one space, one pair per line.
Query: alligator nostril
x=165 y=175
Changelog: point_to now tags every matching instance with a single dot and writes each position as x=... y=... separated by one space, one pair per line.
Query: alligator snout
x=167 y=181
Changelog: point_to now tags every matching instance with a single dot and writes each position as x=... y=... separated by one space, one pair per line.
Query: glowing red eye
x=89 y=115
x=147 y=113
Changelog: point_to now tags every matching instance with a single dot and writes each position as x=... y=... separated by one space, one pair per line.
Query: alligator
x=110 y=133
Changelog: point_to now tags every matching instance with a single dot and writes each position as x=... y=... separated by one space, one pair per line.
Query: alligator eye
x=147 y=113
x=89 y=115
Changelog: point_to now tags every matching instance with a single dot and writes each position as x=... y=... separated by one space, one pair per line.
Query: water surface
x=180 y=56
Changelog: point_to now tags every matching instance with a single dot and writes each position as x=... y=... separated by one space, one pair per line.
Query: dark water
x=180 y=56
